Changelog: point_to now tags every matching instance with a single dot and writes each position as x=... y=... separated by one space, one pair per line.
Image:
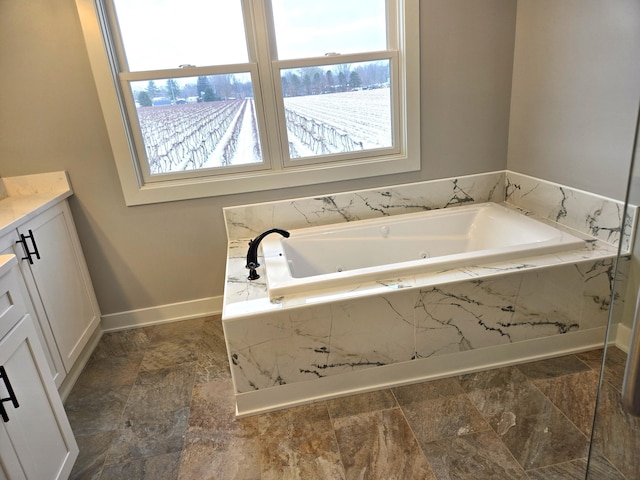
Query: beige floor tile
x=479 y=456
x=380 y=445
x=362 y=403
x=299 y=443
x=575 y=395
x=439 y=409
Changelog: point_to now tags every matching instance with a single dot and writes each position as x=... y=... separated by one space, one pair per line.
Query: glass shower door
x=615 y=441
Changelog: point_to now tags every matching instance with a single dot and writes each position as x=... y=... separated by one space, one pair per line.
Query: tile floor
x=156 y=403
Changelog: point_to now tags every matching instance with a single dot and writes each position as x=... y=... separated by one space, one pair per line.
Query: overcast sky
x=161 y=34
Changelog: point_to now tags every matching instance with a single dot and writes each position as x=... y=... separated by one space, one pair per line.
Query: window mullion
x=259 y=22
x=186 y=72
x=333 y=59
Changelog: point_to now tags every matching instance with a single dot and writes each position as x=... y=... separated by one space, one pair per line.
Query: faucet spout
x=252 y=253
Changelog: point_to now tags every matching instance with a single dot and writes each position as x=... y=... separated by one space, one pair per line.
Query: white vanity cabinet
x=58 y=284
x=34 y=307
x=36 y=441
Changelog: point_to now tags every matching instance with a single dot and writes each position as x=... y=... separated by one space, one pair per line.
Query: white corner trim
x=162 y=314
x=622 y=337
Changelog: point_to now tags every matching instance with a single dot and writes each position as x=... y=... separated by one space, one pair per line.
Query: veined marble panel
x=370 y=332
x=619 y=288
x=598 y=287
x=465 y=316
x=238 y=289
x=249 y=220
x=318 y=341
x=592 y=214
x=549 y=303
x=298 y=344
x=279 y=348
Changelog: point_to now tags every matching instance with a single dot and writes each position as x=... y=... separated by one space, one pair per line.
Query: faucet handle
x=253 y=275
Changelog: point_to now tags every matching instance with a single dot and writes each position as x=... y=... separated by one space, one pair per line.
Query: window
x=214 y=97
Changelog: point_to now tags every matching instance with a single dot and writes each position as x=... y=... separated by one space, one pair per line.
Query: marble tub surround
x=592 y=214
x=349 y=343
x=24 y=197
x=597 y=216
x=376 y=334
x=247 y=221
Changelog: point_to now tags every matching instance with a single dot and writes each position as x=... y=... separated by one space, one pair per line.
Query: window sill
x=201 y=187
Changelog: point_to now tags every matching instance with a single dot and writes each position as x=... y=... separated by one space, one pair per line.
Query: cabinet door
x=63 y=281
x=10 y=468
x=38 y=428
x=29 y=292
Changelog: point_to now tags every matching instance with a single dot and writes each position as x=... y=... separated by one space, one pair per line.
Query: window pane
x=196 y=123
x=337 y=108
x=313 y=29
x=162 y=34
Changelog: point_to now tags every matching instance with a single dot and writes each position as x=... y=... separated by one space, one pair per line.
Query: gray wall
x=576 y=86
x=153 y=255
x=466 y=68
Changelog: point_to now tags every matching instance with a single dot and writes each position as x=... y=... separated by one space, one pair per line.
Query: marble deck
x=158 y=403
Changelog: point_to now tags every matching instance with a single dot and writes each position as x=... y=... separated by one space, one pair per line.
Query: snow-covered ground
x=365 y=115
x=217 y=134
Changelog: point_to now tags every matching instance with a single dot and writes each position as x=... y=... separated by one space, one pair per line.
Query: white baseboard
x=623 y=337
x=162 y=314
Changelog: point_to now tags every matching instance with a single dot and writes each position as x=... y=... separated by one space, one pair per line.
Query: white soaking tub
x=386 y=248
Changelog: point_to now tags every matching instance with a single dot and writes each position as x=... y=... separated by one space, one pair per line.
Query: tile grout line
x=413 y=433
x=335 y=437
x=200 y=347
x=556 y=407
x=566 y=462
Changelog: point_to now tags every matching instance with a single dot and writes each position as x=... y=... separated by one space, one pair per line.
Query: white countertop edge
x=30 y=195
x=24 y=185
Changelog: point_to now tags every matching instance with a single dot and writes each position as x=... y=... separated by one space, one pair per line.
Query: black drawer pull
x=23 y=241
x=11 y=398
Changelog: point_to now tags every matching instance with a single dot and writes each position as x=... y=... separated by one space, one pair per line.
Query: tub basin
x=386 y=248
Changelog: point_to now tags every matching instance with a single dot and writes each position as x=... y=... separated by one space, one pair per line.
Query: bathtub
x=392 y=247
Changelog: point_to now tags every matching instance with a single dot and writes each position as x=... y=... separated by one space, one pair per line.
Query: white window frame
x=277 y=170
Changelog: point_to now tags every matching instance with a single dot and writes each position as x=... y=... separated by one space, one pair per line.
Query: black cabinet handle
x=23 y=241
x=11 y=398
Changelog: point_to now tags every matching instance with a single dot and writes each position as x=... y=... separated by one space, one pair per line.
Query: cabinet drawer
x=12 y=306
